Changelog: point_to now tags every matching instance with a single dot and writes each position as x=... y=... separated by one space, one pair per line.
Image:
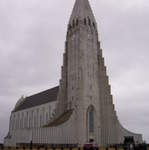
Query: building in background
x=81 y=107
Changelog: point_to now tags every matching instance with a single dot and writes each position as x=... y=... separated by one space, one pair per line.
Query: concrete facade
x=84 y=90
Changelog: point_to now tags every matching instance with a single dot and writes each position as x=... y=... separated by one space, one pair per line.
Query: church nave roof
x=44 y=97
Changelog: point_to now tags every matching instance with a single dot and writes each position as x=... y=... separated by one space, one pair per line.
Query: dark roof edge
x=41 y=92
x=38 y=99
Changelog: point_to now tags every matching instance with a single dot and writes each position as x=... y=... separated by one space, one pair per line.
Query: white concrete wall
x=52 y=135
x=124 y=132
x=24 y=121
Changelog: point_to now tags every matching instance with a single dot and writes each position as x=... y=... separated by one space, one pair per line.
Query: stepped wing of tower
x=82 y=10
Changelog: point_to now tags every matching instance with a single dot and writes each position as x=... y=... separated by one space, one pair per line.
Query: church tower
x=80 y=85
x=84 y=86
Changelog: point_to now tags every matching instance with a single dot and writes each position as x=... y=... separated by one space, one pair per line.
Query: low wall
x=101 y=148
x=146 y=147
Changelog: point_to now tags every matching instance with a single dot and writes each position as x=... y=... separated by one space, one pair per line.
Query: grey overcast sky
x=32 y=36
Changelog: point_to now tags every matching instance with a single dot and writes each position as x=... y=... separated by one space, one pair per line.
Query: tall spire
x=82 y=10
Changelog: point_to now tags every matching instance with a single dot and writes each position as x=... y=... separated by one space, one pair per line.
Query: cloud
x=32 y=43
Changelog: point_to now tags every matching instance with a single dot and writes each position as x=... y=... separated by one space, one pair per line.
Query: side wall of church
x=48 y=135
x=32 y=118
x=122 y=132
x=112 y=131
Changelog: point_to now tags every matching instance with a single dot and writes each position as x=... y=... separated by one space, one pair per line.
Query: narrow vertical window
x=77 y=22
x=93 y=24
x=40 y=120
x=89 y=21
x=46 y=117
x=91 y=121
x=73 y=23
x=84 y=21
x=69 y=26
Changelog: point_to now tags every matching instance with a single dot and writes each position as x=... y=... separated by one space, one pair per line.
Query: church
x=81 y=107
